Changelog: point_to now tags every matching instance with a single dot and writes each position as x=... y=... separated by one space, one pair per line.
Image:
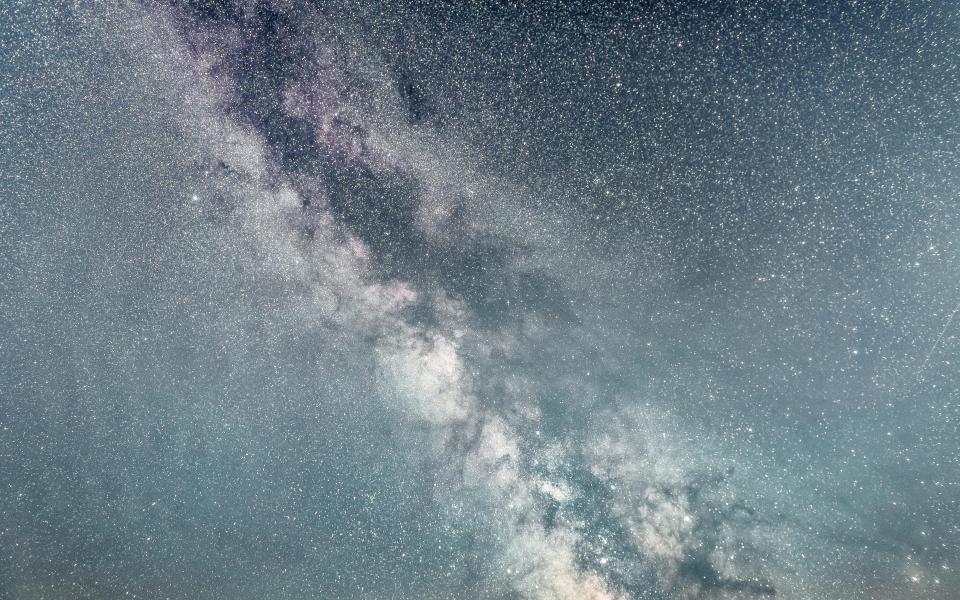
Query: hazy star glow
x=546 y=301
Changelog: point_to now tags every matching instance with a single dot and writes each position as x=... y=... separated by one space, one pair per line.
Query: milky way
x=547 y=301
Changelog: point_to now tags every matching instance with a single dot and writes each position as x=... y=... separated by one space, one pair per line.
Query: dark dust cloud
x=495 y=300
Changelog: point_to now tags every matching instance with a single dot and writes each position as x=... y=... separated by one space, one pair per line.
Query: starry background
x=480 y=300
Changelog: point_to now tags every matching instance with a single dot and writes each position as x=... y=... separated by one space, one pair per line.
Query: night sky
x=360 y=300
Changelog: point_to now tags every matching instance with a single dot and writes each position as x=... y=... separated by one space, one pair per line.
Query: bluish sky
x=547 y=301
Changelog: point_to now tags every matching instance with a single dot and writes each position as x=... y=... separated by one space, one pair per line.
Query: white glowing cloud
x=424 y=368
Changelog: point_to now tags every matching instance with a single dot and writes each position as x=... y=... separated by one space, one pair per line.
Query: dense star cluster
x=497 y=300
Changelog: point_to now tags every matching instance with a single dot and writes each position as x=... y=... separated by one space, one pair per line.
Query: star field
x=495 y=300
